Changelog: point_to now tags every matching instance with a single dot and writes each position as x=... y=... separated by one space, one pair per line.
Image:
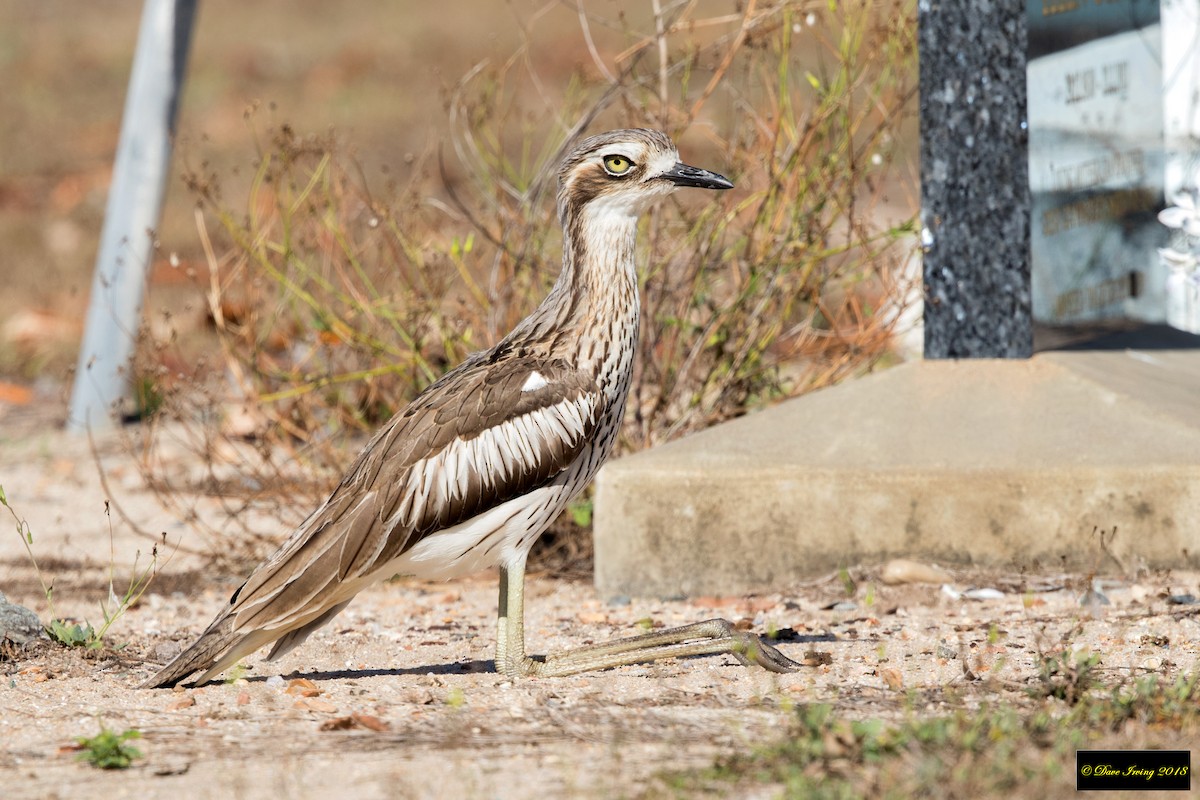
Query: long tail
x=220 y=646
x=217 y=648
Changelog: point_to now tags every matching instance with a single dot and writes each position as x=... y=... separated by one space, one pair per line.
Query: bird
x=478 y=465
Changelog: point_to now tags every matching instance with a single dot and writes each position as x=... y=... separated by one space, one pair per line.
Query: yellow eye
x=617 y=165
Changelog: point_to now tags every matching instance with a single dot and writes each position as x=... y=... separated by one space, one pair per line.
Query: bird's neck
x=595 y=300
x=599 y=267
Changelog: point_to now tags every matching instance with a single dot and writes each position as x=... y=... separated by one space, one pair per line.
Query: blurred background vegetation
x=363 y=194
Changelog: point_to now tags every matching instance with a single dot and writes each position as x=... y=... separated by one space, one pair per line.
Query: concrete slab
x=988 y=462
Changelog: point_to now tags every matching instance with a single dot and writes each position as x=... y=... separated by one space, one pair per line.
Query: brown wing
x=499 y=425
x=484 y=434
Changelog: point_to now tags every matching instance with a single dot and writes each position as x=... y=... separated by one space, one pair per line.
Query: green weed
x=1067 y=675
x=581 y=512
x=989 y=751
x=456 y=698
x=109 y=749
x=81 y=634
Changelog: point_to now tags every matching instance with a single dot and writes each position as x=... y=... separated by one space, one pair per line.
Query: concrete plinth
x=990 y=462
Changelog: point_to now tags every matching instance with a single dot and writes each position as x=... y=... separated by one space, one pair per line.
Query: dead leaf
x=354 y=721
x=337 y=724
x=302 y=687
x=892 y=677
x=15 y=395
x=816 y=658
x=370 y=722
x=761 y=603
x=708 y=601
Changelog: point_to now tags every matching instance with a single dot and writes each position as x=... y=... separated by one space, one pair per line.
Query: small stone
x=315 y=704
x=983 y=594
x=172 y=766
x=166 y=651
x=1093 y=598
x=18 y=624
x=902 y=570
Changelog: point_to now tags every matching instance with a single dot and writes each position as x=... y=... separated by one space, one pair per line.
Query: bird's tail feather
x=294 y=638
x=220 y=647
x=217 y=648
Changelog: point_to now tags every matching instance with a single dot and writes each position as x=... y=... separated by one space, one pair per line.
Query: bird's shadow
x=452 y=668
x=475 y=666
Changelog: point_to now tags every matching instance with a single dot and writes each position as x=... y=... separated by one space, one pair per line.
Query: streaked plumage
x=479 y=465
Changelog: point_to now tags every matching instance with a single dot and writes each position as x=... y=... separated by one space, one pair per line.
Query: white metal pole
x=131 y=217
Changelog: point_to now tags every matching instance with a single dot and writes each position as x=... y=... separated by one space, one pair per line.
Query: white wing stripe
x=518 y=435
x=556 y=426
x=497 y=454
x=505 y=459
x=465 y=467
x=447 y=473
x=570 y=415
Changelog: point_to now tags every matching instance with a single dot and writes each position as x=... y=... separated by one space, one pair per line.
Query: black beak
x=683 y=175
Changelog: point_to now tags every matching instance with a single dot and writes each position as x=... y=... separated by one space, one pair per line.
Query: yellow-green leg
x=710 y=637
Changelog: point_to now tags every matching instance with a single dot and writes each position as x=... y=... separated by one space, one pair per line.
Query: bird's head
x=621 y=173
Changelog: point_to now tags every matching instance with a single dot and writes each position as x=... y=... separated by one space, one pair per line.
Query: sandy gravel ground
x=396 y=698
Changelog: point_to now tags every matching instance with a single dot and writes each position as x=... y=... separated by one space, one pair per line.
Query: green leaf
x=73 y=634
x=107 y=749
x=581 y=513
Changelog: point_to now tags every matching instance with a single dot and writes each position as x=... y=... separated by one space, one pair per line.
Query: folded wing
x=489 y=431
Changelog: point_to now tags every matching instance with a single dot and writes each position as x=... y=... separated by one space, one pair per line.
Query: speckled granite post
x=975 y=203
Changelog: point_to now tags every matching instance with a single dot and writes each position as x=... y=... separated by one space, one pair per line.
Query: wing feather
x=484 y=441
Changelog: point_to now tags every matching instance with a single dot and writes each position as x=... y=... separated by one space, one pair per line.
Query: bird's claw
x=753 y=651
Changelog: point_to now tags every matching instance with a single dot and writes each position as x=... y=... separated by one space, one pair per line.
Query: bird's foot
x=751 y=650
x=710 y=637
